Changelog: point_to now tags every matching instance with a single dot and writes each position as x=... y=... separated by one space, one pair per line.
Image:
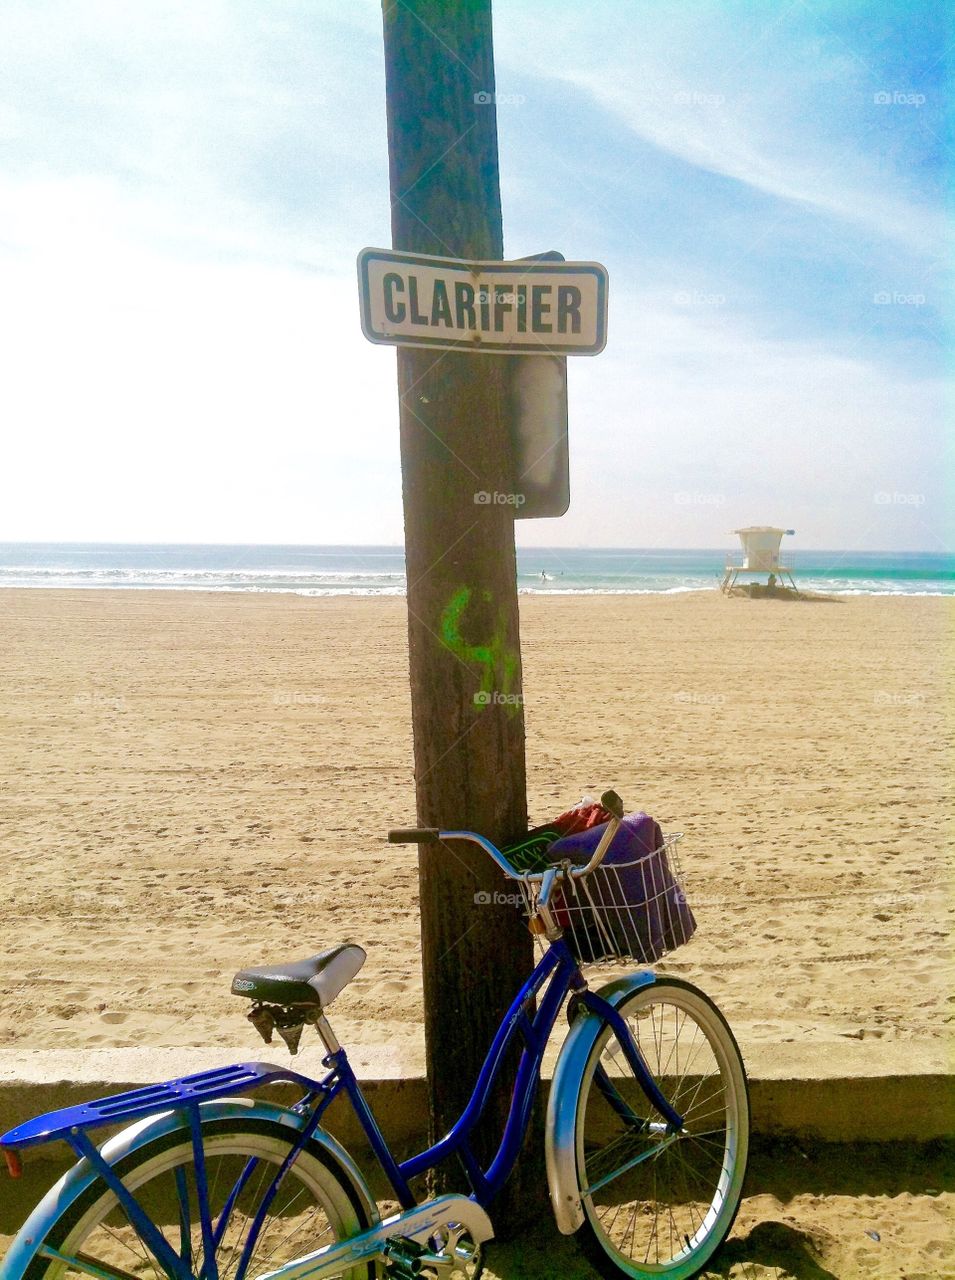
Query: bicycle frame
x=557 y=970
x=560 y=967
x=556 y=964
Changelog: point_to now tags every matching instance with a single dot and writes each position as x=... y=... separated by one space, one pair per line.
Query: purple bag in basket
x=631 y=905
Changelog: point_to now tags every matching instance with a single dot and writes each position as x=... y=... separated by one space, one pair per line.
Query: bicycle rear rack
x=221 y=1082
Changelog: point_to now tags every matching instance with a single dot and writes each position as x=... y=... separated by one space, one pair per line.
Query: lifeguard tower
x=760 y=555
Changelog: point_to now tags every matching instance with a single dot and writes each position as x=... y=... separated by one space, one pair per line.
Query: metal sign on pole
x=538 y=414
x=537 y=383
x=531 y=307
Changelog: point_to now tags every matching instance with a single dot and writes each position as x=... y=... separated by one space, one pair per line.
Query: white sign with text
x=515 y=308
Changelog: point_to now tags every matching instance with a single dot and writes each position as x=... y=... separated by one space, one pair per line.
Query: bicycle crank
x=457 y=1224
x=453 y=1256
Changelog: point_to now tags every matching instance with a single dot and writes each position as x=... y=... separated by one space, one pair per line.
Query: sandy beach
x=194 y=782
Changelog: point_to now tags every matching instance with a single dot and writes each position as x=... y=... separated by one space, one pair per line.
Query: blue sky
x=184 y=188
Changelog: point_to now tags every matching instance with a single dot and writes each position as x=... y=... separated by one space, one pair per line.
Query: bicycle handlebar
x=414 y=835
x=433 y=835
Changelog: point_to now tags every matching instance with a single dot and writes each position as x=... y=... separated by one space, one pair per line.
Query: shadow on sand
x=772 y=1248
x=785 y=1170
x=758 y=591
x=786 y=1250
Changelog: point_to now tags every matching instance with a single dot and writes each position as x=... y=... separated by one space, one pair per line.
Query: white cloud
x=722 y=140
x=759 y=430
x=754 y=95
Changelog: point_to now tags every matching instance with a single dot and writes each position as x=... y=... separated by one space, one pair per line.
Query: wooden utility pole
x=457 y=474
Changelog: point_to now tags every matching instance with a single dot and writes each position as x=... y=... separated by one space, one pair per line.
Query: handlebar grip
x=413 y=835
x=612 y=803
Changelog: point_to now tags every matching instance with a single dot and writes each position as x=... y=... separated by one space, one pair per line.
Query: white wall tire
x=314 y=1204
x=655 y=1206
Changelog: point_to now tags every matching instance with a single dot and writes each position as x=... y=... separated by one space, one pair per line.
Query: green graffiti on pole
x=498 y=663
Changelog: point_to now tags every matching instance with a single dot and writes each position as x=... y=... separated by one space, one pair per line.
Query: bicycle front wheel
x=659 y=1203
x=310 y=1207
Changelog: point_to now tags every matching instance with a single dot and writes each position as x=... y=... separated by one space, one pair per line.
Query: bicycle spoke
x=632 y=1224
x=147 y=1256
x=185 y=1219
x=696 y=1093
x=125 y=1245
x=314 y=1239
x=225 y=1216
x=235 y=1253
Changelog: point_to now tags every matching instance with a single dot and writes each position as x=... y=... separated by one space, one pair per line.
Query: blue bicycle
x=646 y=1136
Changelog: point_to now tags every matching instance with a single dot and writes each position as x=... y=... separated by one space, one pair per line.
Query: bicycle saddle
x=316 y=981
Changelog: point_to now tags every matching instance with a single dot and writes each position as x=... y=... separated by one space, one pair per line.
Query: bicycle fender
x=77 y=1179
x=562 y=1105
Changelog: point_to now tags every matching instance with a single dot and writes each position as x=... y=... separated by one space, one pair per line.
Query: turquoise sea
x=369 y=571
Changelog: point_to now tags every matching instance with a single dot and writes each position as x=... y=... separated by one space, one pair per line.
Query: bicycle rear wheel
x=311 y=1207
x=657 y=1203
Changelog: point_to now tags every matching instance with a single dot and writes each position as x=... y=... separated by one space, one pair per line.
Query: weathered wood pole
x=464 y=644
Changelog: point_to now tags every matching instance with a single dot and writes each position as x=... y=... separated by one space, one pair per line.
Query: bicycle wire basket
x=635 y=910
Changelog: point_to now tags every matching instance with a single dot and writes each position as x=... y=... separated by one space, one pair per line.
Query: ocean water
x=371 y=571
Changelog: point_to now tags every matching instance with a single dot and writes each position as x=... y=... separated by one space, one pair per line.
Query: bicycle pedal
x=405 y=1258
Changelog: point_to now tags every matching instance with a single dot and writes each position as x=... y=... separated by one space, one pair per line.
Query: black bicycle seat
x=315 y=981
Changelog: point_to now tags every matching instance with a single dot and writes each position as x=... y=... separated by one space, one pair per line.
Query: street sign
x=512 y=308
x=538 y=416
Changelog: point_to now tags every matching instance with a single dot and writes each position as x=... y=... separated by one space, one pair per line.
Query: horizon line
x=396 y=546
